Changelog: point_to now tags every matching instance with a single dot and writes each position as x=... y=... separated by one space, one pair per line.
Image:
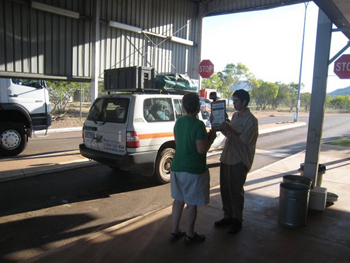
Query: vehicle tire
x=163 y=165
x=13 y=139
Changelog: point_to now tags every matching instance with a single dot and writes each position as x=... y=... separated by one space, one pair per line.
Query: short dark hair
x=243 y=95
x=190 y=102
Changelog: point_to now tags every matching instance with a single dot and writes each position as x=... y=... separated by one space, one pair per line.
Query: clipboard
x=218 y=111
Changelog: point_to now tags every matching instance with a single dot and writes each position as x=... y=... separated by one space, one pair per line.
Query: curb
x=282 y=128
x=60 y=130
x=21 y=174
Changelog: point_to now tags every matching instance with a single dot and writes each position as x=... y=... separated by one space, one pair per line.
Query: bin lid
x=292 y=186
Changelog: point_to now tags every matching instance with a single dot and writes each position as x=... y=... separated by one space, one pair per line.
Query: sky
x=269 y=43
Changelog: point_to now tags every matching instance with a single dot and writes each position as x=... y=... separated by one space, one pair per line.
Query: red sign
x=342 y=67
x=206 y=68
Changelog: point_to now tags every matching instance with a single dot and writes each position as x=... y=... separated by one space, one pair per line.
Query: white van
x=128 y=130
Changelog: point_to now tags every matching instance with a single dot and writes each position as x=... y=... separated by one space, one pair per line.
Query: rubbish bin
x=293 y=204
x=321 y=171
x=297 y=179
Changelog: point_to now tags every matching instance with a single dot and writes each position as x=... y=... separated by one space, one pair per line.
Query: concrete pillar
x=318 y=96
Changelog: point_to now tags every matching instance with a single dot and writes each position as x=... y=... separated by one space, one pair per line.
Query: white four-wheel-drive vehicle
x=135 y=129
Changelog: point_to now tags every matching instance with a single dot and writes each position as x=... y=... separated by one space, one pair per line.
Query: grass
x=341 y=142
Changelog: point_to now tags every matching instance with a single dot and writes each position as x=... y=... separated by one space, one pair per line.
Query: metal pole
x=301 y=67
x=81 y=99
x=199 y=42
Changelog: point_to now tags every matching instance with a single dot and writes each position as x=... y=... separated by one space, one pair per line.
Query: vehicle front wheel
x=13 y=139
x=163 y=165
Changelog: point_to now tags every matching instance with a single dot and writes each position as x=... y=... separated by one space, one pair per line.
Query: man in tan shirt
x=236 y=160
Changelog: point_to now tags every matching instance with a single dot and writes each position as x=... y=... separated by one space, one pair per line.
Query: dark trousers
x=232 y=179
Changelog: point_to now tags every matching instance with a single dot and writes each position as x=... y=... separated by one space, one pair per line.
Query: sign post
x=342 y=67
x=206 y=68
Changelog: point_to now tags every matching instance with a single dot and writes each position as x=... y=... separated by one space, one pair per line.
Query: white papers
x=218 y=110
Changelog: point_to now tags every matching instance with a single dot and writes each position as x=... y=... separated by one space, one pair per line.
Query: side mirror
x=213 y=96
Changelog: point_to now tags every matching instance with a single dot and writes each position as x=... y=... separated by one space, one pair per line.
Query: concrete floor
x=324 y=238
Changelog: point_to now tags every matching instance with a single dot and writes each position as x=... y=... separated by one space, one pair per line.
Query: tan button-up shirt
x=246 y=125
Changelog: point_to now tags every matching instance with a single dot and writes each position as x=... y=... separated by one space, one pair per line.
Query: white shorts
x=193 y=189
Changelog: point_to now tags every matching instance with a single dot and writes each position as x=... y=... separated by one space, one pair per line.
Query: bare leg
x=177 y=212
x=191 y=213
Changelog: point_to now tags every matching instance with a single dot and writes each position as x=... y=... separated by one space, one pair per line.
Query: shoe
x=178 y=235
x=224 y=222
x=236 y=227
x=194 y=239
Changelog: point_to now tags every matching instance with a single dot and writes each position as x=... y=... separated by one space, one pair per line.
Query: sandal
x=195 y=238
x=178 y=235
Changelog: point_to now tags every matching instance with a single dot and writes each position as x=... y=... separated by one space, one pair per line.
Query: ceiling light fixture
x=125 y=27
x=181 y=41
x=55 y=10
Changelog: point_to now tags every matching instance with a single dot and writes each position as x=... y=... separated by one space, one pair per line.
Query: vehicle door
x=106 y=124
x=157 y=123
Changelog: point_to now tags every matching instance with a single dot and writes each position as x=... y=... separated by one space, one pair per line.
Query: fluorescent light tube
x=125 y=27
x=181 y=41
x=55 y=10
x=154 y=34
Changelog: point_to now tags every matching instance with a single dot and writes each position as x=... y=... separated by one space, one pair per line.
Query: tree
x=60 y=93
x=341 y=102
x=214 y=82
x=283 y=96
x=293 y=94
x=305 y=100
x=264 y=93
x=231 y=76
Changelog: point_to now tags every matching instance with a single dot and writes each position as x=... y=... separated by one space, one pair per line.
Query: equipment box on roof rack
x=129 y=79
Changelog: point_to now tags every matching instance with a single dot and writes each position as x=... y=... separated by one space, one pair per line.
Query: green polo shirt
x=187 y=131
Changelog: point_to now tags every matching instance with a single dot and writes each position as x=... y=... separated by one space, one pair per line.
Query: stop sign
x=206 y=68
x=342 y=67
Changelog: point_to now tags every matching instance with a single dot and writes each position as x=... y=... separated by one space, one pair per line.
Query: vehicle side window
x=205 y=109
x=113 y=110
x=95 y=111
x=178 y=108
x=158 y=109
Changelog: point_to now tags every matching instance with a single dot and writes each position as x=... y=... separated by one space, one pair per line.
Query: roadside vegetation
x=341 y=142
x=267 y=95
x=72 y=99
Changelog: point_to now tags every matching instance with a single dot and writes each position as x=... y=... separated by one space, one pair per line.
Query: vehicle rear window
x=109 y=110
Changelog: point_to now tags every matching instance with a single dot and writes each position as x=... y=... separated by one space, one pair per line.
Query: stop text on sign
x=342 y=67
x=206 y=68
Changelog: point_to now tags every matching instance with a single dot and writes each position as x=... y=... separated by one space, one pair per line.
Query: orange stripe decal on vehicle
x=156 y=135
